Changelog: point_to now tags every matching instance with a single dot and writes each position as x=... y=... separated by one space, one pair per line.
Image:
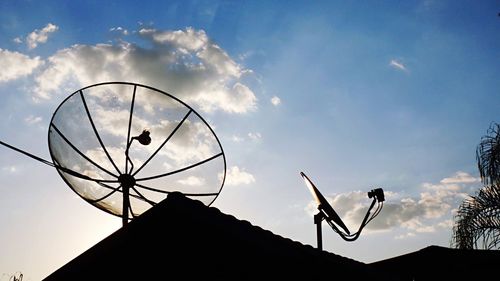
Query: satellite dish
x=323 y=205
x=326 y=212
x=123 y=147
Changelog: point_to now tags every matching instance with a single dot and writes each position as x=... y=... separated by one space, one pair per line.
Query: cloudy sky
x=357 y=95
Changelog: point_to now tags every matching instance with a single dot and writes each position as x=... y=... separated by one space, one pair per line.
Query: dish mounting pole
x=127 y=182
x=318 y=218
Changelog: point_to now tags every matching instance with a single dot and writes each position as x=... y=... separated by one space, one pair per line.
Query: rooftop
x=182 y=236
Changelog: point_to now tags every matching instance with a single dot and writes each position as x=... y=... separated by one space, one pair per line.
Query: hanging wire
x=353 y=236
x=59 y=167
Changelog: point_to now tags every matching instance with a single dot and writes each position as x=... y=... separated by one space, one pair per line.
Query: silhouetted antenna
x=327 y=213
x=91 y=142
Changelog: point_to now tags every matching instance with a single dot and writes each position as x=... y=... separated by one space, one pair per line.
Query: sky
x=357 y=95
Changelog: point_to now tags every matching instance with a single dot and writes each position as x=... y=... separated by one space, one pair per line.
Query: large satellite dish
x=123 y=147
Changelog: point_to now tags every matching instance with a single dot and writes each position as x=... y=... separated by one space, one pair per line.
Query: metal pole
x=318 y=218
x=126 y=204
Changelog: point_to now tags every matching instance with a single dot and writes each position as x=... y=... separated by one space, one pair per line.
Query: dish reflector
x=323 y=204
x=123 y=147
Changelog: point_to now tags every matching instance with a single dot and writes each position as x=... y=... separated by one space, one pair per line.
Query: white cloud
x=430 y=211
x=18 y=40
x=40 y=36
x=33 y=119
x=398 y=65
x=15 y=65
x=235 y=176
x=275 y=101
x=192 y=143
x=192 y=181
x=404 y=236
x=67 y=158
x=245 y=55
x=237 y=138
x=238 y=99
x=119 y=29
x=460 y=177
x=185 y=63
x=447 y=224
x=255 y=136
x=183 y=40
x=10 y=169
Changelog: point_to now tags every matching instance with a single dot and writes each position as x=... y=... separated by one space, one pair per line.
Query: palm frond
x=488 y=155
x=477 y=222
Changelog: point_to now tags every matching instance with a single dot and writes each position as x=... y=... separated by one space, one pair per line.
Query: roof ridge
x=247 y=223
x=186 y=233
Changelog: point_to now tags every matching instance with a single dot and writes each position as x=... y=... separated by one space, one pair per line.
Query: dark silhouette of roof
x=182 y=237
x=441 y=263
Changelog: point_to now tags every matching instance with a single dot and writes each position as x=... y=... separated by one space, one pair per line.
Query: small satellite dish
x=123 y=147
x=323 y=205
x=327 y=213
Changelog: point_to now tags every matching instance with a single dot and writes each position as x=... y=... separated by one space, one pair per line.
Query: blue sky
x=357 y=95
